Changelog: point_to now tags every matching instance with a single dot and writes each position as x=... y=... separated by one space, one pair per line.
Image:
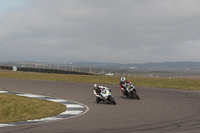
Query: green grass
x=15 y=108
x=188 y=84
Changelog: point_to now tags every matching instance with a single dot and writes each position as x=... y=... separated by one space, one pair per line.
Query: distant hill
x=150 y=66
x=176 y=66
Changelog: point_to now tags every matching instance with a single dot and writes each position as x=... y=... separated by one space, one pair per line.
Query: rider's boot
x=98 y=100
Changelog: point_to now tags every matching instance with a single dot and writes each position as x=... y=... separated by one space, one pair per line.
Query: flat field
x=187 y=84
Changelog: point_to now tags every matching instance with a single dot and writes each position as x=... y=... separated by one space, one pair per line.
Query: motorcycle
x=131 y=91
x=107 y=96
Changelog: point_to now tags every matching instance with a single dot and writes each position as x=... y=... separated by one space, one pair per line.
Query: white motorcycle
x=107 y=96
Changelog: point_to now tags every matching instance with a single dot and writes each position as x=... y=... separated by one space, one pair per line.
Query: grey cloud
x=125 y=31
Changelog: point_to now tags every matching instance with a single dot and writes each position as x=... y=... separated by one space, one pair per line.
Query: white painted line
x=5 y=125
x=3 y=91
x=30 y=95
x=74 y=106
x=44 y=119
x=74 y=112
x=56 y=100
x=50 y=119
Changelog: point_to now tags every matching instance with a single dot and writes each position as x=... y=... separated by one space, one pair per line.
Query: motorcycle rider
x=122 y=84
x=97 y=92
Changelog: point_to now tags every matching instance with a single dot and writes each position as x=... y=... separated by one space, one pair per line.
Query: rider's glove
x=98 y=95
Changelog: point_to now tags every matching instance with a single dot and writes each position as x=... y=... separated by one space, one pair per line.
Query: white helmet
x=96 y=86
x=123 y=79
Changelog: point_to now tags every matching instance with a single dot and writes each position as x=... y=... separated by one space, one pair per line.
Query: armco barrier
x=6 y=67
x=44 y=70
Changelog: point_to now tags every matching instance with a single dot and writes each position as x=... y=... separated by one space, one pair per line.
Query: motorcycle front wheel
x=135 y=95
x=112 y=100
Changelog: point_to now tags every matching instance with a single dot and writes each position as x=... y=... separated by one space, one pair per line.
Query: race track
x=158 y=110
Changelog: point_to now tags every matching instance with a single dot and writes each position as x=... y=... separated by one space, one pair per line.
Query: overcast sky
x=118 y=31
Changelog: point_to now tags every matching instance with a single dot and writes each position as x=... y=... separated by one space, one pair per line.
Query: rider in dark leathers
x=122 y=84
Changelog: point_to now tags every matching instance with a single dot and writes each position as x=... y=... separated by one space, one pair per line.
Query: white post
x=90 y=69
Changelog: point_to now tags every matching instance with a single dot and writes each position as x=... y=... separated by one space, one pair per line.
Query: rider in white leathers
x=97 y=92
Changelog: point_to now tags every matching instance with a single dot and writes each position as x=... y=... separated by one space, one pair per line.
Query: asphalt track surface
x=158 y=111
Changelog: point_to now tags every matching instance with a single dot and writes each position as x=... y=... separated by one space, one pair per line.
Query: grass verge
x=18 y=108
x=188 y=84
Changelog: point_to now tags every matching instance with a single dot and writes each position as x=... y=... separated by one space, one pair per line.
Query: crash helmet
x=96 y=86
x=123 y=79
